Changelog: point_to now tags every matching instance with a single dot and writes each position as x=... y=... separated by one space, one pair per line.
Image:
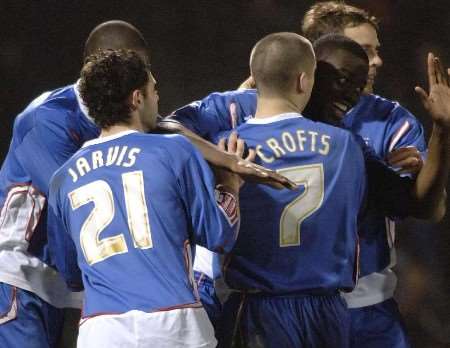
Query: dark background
x=202 y=46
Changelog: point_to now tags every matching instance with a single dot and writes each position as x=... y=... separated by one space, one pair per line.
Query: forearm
x=429 y=189
x=210 y=152
x=228 y=161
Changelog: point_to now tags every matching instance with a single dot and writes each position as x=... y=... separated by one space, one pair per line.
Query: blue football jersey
x=217 y=112
x=130 y=205
x=50 y=130
x=384 y=125
x=303 y=240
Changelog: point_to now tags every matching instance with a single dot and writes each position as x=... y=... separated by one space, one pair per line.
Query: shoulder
x=341 y=138
x=46 y=111
x=240 y=94
x=337 y=133
x=388 y=108
x=244 y=100
x=175 y=145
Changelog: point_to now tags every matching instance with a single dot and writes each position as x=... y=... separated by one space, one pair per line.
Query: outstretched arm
x=246 y=169
x=431 y=180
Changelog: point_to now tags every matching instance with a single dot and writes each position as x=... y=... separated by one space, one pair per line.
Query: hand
x=249 y=171
x=408 y=159
x=235 y=146
x=249 y=83
x=437 y=102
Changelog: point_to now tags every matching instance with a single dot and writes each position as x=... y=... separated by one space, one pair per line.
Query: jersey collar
x=100 y=140
x=276 y=118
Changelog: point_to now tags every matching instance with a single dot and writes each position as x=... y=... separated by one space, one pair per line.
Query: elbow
x=433 y=211
x=170 y=126
x=439 y=212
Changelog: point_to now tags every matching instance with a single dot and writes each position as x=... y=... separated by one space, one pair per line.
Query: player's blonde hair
x=333 y=17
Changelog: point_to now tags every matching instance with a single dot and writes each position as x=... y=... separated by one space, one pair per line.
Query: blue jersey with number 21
x=130 y=206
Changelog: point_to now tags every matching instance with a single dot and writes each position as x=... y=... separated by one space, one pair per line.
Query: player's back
x=125 y=201
x=304 y=240
x=45 y=135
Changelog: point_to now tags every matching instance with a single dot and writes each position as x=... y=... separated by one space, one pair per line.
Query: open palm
x=437 y=102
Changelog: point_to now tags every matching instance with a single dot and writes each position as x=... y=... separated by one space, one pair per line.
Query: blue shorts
x=208 y=297
x=262 y=320
x=378 y=326
x=26 y=321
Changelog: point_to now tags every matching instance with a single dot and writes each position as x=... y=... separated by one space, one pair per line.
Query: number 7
x=312 y=178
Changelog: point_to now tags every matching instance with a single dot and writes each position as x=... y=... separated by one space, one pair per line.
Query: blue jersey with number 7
x=301 y=241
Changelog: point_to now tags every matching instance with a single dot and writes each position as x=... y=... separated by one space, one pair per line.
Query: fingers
x=437 y=70
x=221 y=144
x=423 y=96
x=240 y=148
x=232 y=142
x=235 y=145
x=442 y=77
x=279 y=182
x=409 y=165
x=408 y=159
x=255 y=173
x=403 y=153
x=444 y=74
x=431 y=70
x=251 y=155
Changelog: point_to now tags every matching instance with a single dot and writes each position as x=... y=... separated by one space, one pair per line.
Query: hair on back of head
x=278 y=58
x=333 y=17
x=328 y=43
x=114 y=35
x=108 y=78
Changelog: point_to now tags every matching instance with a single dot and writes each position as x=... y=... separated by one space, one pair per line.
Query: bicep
x=41 y=153
x=212 y=227
x=405 y=131
x=205 y=118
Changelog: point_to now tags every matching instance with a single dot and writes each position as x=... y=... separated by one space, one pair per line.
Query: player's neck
x=271 y=106
x=118 y=128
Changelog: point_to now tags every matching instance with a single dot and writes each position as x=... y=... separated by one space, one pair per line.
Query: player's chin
x=334 y=116
x=337 y=113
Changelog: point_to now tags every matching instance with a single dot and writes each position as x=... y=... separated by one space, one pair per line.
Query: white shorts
x=177 y=328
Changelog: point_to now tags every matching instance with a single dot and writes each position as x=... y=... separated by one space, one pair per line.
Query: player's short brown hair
x=333 y=17
x=277 y=58
x=107 y=80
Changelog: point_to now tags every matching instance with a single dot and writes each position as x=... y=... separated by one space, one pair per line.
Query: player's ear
x=301 y=83
x=135 y=99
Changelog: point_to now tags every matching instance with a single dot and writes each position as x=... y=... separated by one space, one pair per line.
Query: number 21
x=100 y=193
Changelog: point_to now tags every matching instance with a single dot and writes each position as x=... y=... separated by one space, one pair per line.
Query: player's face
x=340 y=80
x=150 y=107
x=366 y=36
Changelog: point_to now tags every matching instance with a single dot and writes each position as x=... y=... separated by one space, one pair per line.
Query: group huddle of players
x=297 y=197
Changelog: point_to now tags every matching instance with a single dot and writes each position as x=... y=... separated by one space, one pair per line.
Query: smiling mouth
x=343 y=107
